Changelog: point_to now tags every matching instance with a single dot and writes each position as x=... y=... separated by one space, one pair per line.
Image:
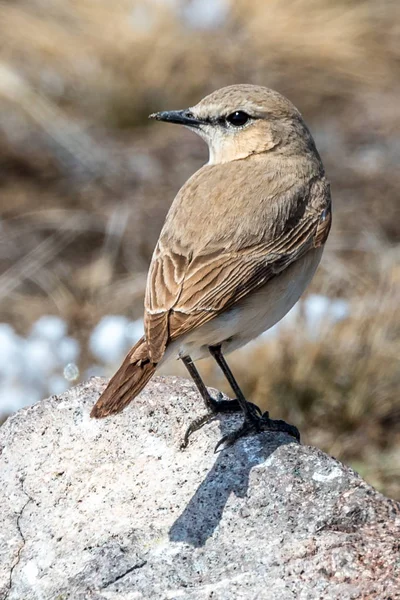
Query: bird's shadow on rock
x=230 y=473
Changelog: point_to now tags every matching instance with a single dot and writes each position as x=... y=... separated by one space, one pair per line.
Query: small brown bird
x=240 y=244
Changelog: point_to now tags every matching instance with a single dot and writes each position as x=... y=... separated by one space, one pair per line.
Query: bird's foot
x=256 y=423
x=215 y=406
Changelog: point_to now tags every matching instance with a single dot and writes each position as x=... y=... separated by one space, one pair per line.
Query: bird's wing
x=184 y=292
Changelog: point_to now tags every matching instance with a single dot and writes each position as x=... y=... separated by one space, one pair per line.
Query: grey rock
x=114 y=509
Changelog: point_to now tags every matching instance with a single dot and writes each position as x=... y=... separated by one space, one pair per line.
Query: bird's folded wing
x=185 y=292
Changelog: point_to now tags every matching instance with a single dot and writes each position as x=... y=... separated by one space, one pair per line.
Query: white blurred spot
x=68 y=350
x=11 y=84
x=205 y=14
x=40 y=358
x=57 y=385
x=113 y=336
x=11 y=348
x=71 y=372
x=321 y=311
x=50 y=328
x=134 y=331
x=14 y=395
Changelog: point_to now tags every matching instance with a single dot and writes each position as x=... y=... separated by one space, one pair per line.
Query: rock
x=113 y=509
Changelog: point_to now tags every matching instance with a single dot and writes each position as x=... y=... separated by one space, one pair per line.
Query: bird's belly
x=254 y=314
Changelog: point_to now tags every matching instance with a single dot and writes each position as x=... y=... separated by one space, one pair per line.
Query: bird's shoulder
x=235 y=205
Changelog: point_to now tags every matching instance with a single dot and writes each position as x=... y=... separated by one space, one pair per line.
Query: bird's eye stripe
x=225 y=120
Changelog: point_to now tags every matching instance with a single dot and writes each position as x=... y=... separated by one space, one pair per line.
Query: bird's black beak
x=182 y=117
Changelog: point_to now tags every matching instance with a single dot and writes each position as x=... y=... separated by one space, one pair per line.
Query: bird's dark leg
x=249 y=410
x=254 y=420
x=213 y=405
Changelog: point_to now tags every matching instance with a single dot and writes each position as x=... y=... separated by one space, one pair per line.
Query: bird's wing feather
x=184 y=292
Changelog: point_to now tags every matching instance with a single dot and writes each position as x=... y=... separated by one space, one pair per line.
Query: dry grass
x=86 y=183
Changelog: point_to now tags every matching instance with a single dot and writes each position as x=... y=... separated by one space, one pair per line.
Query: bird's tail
x=128 y=381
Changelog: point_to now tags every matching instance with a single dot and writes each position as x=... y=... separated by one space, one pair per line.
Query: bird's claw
x=255 y=424
x=215 y=406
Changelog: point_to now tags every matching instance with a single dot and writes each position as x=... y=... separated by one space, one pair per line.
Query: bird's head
x=242 y=120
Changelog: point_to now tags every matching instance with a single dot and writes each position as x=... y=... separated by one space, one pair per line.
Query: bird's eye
x=238 y=118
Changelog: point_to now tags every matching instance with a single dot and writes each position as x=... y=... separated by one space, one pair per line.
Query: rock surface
x=113 y=509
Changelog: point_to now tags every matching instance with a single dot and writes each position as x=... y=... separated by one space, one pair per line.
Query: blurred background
x=86 y=181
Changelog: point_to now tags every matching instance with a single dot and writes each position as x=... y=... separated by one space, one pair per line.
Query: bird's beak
x=182 y=117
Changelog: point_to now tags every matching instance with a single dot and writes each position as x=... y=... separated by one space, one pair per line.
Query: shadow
x=230 y=474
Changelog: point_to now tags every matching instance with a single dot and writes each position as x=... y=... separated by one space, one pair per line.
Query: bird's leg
x=250 y=410
x=254 y=419
x=213 y=405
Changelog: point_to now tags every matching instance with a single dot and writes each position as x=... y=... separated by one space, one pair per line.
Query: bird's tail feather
x=127 y=383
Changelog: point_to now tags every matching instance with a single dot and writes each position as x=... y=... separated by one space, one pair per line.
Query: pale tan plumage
x=241 y=241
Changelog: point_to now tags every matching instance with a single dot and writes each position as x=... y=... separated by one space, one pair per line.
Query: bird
x=240 y=244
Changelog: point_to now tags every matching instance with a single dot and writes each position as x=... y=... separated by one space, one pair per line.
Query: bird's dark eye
x=238 y=118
